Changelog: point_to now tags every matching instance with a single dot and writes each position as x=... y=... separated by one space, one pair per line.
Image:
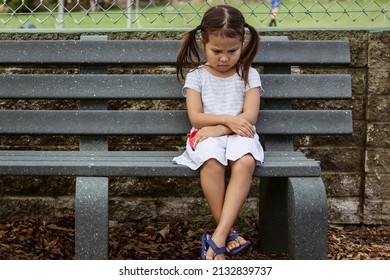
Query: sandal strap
x=233 y=237
x=217 y=250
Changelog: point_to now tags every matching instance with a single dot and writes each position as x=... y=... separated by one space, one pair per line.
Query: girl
x=222 y=98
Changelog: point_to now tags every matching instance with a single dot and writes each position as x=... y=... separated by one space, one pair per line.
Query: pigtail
x=188 y=53
x=249 y=52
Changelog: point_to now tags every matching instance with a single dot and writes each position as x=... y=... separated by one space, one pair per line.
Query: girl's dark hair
x=220 y=20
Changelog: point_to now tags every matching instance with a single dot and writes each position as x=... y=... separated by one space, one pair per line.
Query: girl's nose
x=224 y=58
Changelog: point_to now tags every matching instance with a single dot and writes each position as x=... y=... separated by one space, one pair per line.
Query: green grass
x=294 y=14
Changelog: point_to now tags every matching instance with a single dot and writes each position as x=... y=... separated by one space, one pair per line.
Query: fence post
x=60 y=17
x=129 y=17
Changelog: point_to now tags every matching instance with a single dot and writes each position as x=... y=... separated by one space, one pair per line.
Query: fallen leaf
x=164 y=232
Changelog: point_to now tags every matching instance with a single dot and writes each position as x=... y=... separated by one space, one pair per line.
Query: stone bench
x=293 y=203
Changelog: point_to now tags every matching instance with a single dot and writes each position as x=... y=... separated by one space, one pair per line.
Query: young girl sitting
x=223 y=100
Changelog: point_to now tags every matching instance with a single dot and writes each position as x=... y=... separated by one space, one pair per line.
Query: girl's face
x=222 y=53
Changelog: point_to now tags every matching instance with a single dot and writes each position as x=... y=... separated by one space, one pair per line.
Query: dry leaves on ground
x=359 y=243
x=30 y=239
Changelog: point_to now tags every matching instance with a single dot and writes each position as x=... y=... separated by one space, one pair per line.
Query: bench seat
x=140 y=164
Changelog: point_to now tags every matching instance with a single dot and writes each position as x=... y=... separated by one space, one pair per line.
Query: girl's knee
x=212 y=165
x=247 y=162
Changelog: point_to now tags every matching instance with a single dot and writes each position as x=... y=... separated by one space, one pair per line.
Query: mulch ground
x=32 y=240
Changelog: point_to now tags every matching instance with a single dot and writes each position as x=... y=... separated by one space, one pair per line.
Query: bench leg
x=273 y=215
x=293 y=217
x=308 y=218
x=91 y=218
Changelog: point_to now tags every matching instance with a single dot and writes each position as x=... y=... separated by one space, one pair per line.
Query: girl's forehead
x=218 y=39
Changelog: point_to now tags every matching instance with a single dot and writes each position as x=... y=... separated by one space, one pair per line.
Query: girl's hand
x=241 y=126
x=210 y=131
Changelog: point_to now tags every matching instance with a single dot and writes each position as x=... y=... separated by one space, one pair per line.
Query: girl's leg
x=235 y=196
x=212 y=178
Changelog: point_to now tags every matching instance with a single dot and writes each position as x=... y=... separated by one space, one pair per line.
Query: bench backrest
x=94 y=86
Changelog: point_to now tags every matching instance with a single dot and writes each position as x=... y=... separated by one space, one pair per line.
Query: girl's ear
x=201 y=40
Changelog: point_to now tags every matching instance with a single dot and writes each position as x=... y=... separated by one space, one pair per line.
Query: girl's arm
x=242 y=124
x=224 y=124
x=251 y=106
x=195 y=112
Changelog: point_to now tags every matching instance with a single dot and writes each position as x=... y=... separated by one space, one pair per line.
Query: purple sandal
x=242 y=248
x=208 y=242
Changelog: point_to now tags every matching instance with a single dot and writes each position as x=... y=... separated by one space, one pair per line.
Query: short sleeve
x=192 y=81
x=254 y=80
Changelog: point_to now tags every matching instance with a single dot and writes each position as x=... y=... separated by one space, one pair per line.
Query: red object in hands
x=191 y=139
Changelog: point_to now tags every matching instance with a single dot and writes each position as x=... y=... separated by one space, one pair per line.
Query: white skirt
x=223 y=149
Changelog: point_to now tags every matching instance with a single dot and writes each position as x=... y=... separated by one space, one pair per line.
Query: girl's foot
x=235 y=243
x=272 y=22
x=214 y=252
x=212 y=249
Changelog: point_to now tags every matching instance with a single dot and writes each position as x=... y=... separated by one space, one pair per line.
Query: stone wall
x=355 y=168
x=376 y=200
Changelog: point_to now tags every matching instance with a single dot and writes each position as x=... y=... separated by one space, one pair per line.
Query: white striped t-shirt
x=221 y=95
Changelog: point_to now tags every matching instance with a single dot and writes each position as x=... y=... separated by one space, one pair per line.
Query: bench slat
x=100 y=164
x=117 y=156
x=174 y=122
x=297 y=52
x=162 y=52
x=307 y=86
x=149 y=86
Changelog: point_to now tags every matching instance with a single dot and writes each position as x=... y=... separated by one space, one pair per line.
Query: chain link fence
x=168 y=14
